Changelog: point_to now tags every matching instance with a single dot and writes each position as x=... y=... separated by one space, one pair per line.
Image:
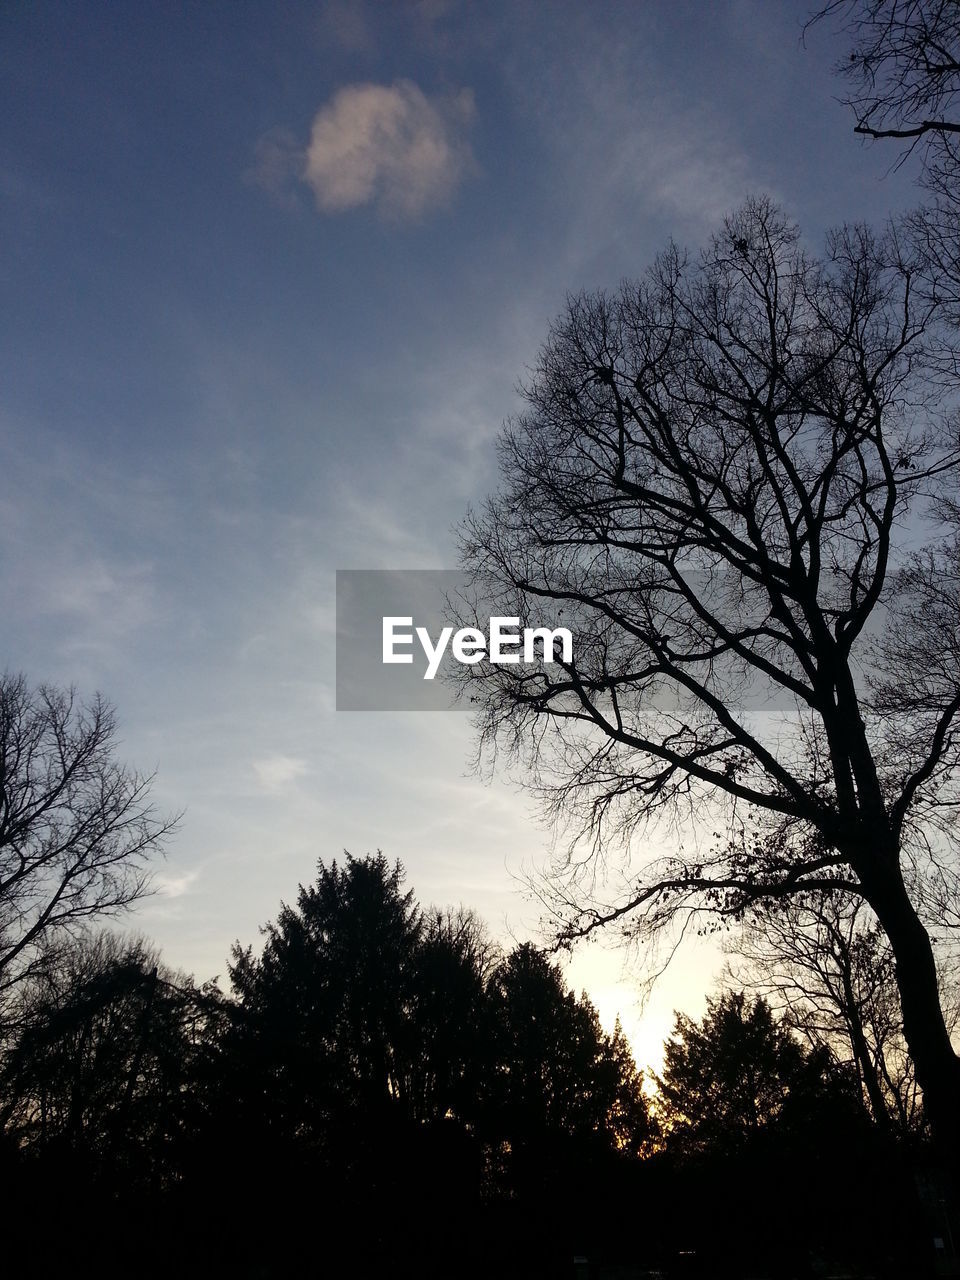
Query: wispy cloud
x=79 y=579
x=276 y=773
x=349 y=25
x=636 y=153
x=277 y=165
x=390 y=146
x=175 y=886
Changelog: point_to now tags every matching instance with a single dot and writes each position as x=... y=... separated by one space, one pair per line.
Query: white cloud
x=391 y=146
x=175 y=886
x=276 y=773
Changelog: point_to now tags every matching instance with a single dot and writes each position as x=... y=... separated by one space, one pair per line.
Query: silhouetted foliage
x=450 y=1012
x=331 y=991
x=361 y=1006
x=361 y=1002
x=105 y=1049
x=382 y=1066
x=554 y=1068
x=384 y=1051
x=827 y=968
x=769 y=1141
x=740 y=1073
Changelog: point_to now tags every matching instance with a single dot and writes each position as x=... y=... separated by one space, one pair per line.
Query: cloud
x=277 y=165
x=175 y=886
x=347 y=24
x=390 y=146
x=276 y=773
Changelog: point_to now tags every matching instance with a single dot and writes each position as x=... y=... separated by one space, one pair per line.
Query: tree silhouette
x=904 y=66
x=95 y=1079
x=737 y=1073
x=388 y=1053
x=76 y=827
x=324 y=1009
x=827 y=968
x=555 y=1069
x=451 y=1044
x=557 y=1112
x=507 y=1128
x=362 y=1024
x=770 y=1157
x=710 y=482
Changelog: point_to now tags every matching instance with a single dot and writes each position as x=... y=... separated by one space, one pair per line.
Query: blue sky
x=270 y=276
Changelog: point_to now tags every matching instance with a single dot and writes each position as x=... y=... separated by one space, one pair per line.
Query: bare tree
x=827 y=967
x=76 y=827
x=715 y=471
x=903 y=65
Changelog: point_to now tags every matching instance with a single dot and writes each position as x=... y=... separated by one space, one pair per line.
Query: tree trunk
x=936 y=1063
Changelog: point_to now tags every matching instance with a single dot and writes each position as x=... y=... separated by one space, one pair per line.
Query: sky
x=271 y=275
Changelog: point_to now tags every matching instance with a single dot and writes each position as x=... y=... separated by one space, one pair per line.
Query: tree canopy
x=362 y=1001
x=378 y=1054
x=104 y=1050
x=738 y=1073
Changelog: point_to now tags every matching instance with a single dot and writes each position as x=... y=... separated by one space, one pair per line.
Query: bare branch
x=76 y=827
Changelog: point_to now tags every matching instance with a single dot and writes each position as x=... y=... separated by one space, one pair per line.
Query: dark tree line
x=103 y=1049
x=379 y=1062
x=371 y=1053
